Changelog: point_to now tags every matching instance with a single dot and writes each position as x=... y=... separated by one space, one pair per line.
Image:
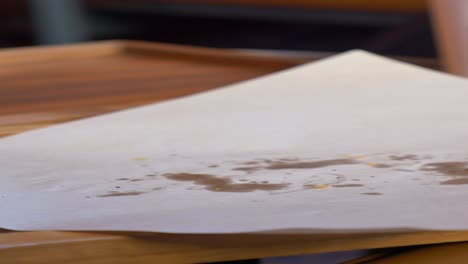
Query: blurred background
x=389 y=27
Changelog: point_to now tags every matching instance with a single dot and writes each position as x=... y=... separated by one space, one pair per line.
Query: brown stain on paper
x=248 y=169
x=403 y=157
x=136 y=180
x=288 y=159
x=224 y=184
x=347 y=185
x=378 y=165
x=250 y=163
x=458 y=181
x=282 y=165
x=287 y=164
x=453 y=168
x=129 y=193
x=456 y=169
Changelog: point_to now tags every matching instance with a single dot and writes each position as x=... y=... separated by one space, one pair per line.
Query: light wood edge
x=209 y=54
x=73 y=247
x=98 y=49
x=11 y=129
x=14 y=56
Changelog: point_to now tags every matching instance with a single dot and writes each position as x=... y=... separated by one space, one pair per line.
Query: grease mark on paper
x=224 y=184
x=113 y=193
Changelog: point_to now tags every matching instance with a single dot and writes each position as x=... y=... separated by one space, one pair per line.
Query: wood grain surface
x=80 y=247
x=44 y=86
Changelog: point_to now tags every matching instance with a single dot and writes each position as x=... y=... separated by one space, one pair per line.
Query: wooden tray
x=44 y=86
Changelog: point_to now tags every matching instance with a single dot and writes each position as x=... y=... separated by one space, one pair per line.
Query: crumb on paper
x=358 y=157
x=319 y=186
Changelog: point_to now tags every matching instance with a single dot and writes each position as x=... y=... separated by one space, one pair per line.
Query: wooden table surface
x=45 y=86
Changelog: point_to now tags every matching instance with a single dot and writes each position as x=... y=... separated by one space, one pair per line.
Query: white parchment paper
x=354 y=142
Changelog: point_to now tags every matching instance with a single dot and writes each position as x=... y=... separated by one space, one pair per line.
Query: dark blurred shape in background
x=394 y=27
